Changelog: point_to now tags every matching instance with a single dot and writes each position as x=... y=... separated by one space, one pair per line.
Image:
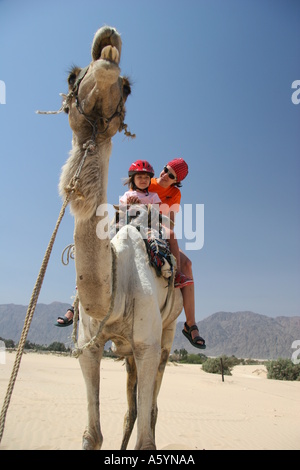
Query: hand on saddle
x=133 y=200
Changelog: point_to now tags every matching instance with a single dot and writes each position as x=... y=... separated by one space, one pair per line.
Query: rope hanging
x=28 y=318
x=69 y=252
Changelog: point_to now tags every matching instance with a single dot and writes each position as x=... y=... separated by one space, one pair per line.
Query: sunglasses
x=170 y=175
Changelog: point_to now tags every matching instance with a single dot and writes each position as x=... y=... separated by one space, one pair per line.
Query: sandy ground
x=197 y=411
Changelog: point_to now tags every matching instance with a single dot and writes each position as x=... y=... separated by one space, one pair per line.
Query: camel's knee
x=163 y=359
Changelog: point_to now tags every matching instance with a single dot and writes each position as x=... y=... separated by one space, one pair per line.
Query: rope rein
x=28 y=318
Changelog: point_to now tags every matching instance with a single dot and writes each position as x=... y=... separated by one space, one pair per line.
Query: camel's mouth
x=107 y=45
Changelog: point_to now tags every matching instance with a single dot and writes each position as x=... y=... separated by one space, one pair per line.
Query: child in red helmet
x=139 y=179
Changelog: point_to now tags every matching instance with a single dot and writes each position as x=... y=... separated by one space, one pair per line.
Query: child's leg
x=181 y=280
x=170 y=235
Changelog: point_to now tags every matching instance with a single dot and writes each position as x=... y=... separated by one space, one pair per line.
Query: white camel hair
x=113 y=275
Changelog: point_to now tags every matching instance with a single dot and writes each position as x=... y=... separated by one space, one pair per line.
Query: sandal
x=193 y=341
x=66 y=321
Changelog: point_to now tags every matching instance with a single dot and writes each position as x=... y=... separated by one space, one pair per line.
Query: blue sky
x=212 y=83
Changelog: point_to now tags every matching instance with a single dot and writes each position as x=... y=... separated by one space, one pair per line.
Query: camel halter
x=94 y=125
x=74 y=94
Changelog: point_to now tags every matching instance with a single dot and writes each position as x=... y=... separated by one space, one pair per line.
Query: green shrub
x=33 y=346
x=196 y=359
x=214 y=365
x=9 y=343
x=57 y=346
x=231 y=361
x=183 y=357
x=283 y=369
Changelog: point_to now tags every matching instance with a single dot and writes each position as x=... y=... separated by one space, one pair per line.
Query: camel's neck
x=93 y=257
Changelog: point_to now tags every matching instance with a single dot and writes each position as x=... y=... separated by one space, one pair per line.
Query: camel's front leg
x=131 y=413
x=166 y=343
x=90 y=365
x=147 y=361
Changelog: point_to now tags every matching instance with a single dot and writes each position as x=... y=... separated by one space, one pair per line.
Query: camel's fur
x=143 y=318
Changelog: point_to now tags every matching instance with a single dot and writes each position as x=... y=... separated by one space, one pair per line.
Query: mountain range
x=241 y=334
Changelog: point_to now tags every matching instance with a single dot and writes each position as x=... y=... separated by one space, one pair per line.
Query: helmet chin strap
x=142 y=190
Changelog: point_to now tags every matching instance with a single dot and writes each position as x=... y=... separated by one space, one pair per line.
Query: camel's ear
x=126 y=87
x=73 y=74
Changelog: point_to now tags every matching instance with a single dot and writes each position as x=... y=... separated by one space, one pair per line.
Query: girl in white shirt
x=139 y=179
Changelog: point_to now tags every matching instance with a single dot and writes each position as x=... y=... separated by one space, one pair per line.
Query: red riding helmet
x=141 y=166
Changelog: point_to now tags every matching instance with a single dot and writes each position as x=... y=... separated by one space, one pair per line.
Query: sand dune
x=196 y=410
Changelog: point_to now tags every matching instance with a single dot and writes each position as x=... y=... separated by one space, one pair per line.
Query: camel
x=120 y=294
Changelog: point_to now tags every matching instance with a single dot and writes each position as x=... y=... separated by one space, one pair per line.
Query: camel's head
x=97 y=94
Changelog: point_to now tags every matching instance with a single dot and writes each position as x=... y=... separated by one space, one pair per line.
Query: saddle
x=160 y=256
x=148 y=222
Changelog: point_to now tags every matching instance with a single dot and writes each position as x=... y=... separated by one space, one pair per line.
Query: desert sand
x=197 y=410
